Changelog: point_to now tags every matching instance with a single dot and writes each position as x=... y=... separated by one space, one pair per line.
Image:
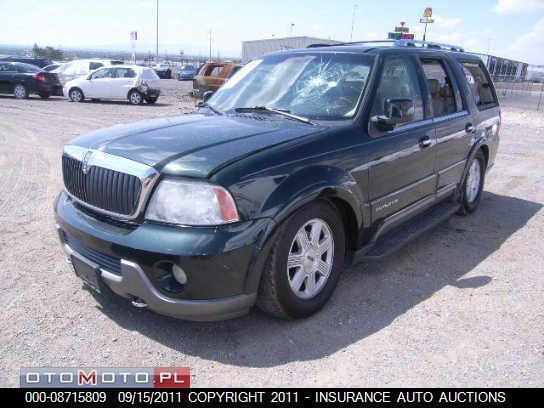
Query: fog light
x=179 y=274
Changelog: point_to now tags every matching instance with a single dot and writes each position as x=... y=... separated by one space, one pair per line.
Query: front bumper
x=217 y=262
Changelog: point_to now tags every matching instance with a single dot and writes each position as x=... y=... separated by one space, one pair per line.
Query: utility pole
x=352 y=22
x=157 y=34
x=210 y=33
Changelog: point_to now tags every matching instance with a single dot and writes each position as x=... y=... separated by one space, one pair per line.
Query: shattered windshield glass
x=325 y=86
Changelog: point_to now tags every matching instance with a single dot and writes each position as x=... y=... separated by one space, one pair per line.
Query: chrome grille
x=102 y=188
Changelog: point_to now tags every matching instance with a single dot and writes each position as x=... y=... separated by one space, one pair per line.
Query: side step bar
x=400 y=236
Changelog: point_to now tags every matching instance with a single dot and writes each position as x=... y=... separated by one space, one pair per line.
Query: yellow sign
x=428 y=12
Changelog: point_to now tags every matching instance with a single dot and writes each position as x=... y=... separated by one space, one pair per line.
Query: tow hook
x=139 y=303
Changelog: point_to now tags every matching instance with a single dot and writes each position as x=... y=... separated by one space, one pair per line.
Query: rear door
x=402 y=171
x=452 y=121
x=122 y=82
x=99 y=84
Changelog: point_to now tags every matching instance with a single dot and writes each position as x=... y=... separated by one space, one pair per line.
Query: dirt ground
x=461 y=306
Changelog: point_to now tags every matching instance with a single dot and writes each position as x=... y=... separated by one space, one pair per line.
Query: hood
x=196 y=144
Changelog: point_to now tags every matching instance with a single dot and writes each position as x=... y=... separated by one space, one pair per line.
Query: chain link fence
x=520 y=94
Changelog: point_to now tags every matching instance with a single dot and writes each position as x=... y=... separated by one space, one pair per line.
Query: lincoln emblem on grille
x=85 y=163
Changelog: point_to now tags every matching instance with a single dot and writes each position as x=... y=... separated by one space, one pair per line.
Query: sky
x=509 y=28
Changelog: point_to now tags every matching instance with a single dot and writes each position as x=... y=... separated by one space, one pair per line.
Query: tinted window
x=95 y=65
x=150 y=74
x=21 y=67
x=234 y=70
x=479 y=85
x=124 y=73
x=6 y=67
x=399 y=80
x=440 y=88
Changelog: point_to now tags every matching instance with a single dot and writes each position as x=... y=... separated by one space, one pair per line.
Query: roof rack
x=398 y=43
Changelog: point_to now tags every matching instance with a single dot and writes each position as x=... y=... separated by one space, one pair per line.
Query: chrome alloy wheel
x=19 y=91
x=75 y=95
x=310 y=259
x=474 y=178
x=135 y=98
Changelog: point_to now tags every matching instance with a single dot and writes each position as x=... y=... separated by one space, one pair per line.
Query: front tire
x=20 y=91
x=76 y=95
x=135 y=97
x=473 y=185
x=304 y=263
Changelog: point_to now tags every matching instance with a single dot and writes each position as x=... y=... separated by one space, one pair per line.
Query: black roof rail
x=398 y=43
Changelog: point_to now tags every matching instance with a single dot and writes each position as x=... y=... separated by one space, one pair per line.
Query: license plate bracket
x=88 y=273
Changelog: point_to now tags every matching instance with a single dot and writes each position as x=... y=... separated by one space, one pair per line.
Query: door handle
x=425 y=142
x=469 y=128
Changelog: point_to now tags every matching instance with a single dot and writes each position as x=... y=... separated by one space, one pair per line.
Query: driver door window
x=399 y=82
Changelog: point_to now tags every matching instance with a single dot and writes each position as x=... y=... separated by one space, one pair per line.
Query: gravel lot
x=461 y=306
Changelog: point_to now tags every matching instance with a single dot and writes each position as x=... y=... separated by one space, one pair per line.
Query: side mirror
x=89 y=77
x=397 y=111
x=206 y=95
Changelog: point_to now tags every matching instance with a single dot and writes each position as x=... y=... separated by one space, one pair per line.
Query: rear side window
x=399 y=82
x=149 y=74
x=440 y=87
x=483 y=94
x=95 y=65
x=124 y=73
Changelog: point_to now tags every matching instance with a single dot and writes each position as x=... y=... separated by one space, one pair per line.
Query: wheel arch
x=331 y=185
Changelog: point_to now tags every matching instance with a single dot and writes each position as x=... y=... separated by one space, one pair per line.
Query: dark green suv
x=303 y=162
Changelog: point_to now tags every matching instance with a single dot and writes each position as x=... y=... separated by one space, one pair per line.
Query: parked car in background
x=213 y=75
x=132 y=82
x=163 y=70
x=187 y=72
x=39 y=62
x=79 y=68
x=310 y=160
x=22 y=79
x=51 y=67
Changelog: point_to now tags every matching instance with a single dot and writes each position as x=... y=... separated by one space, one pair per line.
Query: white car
x=132 y=82
x=82 y=67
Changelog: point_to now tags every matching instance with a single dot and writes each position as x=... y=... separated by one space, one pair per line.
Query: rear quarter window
x=149 y=74
x=480 y=85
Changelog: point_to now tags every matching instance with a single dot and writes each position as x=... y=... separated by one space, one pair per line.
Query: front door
x=402 y=167
x=7 y=71
x=122 y=82
x=99 y=84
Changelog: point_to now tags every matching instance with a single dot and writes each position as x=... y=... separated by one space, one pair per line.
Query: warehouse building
x=504 y=69
x=256 y=48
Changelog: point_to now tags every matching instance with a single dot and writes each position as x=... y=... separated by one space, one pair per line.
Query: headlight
x=191 y=203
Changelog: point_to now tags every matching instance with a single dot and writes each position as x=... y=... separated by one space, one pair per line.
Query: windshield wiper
x=210 y=107
x=282 y=112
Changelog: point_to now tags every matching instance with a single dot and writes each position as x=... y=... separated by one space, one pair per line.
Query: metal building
x=504 y=69
x=256 y=48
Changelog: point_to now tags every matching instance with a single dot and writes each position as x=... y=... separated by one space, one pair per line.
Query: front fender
x=309 y=184
x=292 y=193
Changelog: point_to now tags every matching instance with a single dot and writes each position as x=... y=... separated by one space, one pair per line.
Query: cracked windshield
x=315 y=86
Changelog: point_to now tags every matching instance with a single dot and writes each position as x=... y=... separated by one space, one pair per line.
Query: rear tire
x=76 y=95
x=473 y=185
x=20 y=91
x=304 y=286
x=135 y=97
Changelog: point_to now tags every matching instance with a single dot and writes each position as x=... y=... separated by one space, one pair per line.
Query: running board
x=400 y=236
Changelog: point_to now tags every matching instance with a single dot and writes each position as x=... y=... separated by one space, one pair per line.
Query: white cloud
x=528 y=47
x=518 y=6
